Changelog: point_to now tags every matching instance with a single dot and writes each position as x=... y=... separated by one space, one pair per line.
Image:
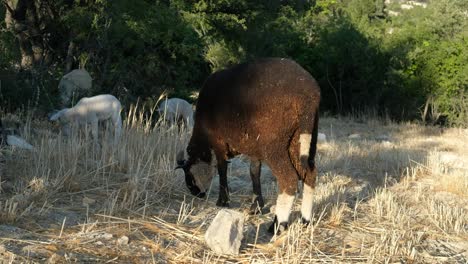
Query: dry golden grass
x=396 y=194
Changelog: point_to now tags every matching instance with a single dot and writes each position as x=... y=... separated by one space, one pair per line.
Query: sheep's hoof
x=222 y=203
x=195 y=191
x=277 y=228
x=305 y=222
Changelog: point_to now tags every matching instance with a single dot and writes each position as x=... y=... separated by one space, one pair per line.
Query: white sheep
x=91 y=110
x=175 y=110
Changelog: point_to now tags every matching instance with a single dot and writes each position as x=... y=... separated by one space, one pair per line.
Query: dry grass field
x=389 y=193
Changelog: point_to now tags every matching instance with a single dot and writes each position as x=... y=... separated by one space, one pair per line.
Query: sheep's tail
x=308 y=141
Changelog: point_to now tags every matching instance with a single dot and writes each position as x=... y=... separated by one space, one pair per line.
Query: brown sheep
x=268 y=110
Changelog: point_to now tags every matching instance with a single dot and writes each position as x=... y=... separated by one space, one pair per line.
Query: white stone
x=122 y=241
x=15 y=141
x=224 y=235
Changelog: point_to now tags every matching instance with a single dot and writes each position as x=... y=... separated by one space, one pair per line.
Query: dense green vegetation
x=410 y=66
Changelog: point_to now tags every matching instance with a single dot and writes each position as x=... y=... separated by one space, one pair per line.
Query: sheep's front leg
x=117 y=123
x=257 y=200
x=223 y=198
x=95 y=130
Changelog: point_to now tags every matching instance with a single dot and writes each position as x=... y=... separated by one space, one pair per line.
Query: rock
x=354 y=136
x=18 y=142
x=224 y=235
x=122 y=241
x=99 y=243
x=321 y=137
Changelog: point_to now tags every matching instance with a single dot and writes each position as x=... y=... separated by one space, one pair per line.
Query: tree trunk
x=69 y=59
x=22 y=19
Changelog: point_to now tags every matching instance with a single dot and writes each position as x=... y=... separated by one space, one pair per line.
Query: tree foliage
x=413 y=65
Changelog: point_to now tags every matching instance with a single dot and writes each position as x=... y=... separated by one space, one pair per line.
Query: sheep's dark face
x=198 y=173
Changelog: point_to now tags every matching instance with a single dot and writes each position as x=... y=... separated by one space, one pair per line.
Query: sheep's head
x=198 y=169
x=59 y=116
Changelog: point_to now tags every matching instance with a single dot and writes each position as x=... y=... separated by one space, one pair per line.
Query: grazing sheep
x=268 y=110
x=176 y=111
x=74 y=85
x=90 y=111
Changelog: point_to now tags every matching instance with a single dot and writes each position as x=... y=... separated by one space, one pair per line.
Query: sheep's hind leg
x=287 y=177
x=117 y=124
x=307 y=193
x=308 y=150
x=257 y=201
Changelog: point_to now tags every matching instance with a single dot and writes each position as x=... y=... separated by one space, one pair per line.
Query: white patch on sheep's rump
x=306 y=206
x=304 y=142
x=284 y=205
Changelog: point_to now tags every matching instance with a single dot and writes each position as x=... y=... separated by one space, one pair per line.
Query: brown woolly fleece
x=259 y=109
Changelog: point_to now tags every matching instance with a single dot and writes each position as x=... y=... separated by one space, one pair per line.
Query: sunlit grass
x=389 y=196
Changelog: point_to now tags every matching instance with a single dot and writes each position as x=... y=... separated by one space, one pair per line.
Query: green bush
x=363 y=58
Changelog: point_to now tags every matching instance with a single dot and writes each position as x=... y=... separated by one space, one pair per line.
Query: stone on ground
x=224 y=235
